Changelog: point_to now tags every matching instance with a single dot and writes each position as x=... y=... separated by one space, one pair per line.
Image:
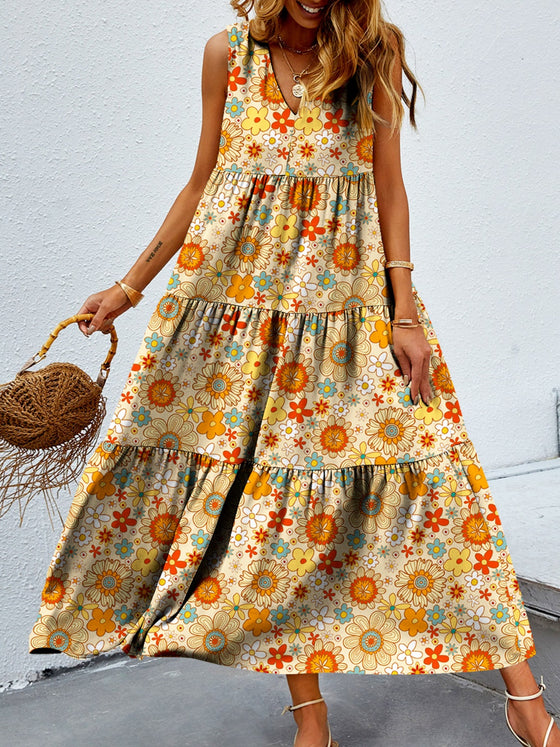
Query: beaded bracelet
x=399 y=263
x=133 y=295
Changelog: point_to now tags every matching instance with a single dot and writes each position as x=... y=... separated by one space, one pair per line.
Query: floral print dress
x=267 y=495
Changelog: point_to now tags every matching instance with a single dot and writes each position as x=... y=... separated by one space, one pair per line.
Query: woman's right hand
x=106 y=305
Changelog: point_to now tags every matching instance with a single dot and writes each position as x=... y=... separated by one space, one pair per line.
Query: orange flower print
x=211 y=424
x=477 y=478
x=209 y=591
x=101 y=485
x=304 y=195
x=413 y=621
x=381 y=334
x=240 y=288
x=453 y=412
x=174 y=564
x=101 y=622
x=258 y=485
x=235 y=78
x=191 y=255
x=442 y=380
x=346 y=255
x=53 y=591
x=435 y=657
x=321 y=527
x=278 y=656
x=334 y=437
x=321 y=656
x=311 y=229
x=363 y=587
x=484 y=562
x=161 y=390
x=414 y=484
x=476 y=657
x=295 y=375
x=257 y=621
x=283 y=120
x=335 y=121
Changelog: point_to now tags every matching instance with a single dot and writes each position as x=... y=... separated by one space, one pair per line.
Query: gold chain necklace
x=298 y=89
x=298 y=51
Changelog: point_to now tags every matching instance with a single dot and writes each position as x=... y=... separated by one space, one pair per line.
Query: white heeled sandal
x=287 y=708
x=542 y=688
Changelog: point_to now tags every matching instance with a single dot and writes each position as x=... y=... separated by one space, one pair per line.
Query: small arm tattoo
x=154 y=251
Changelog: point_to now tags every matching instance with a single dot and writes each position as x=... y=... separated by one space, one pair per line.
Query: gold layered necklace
x=298 y=88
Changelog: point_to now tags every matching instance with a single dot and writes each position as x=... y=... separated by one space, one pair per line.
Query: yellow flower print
x=138 y=492
x=308 y=121
x=296 y=631
x=458 y=561
x=186 y=408
x=258 y=485
x=240 y=288
x=451 y=629
x=255 y=364
x=218 y=384
x=146 y=561
x=302 y=561
x=452 y=494
x=429 y=413
x=101 y=485
x=390 y=606
x=285 y=228
x=279 y=297
x=211 y=425
x=274 y=412
x=256 y=120
x=296 y=494
x=234 y=606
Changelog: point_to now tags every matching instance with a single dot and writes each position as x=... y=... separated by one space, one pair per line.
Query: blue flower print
x=188 y=613
x=357 y=539
x=435 y=478
x=123 y=615
x=235 y=37
x=280 y=615
x=280 y=548
x=436 y=615
x=314 y=461
x=124 y=548
x=500 y=613
x=123 y=478
x=344 y=613
x=357 y=670
x=326 y=279
x=173 y=281
x=405 y=398
x=141 y=416
x=314 y=325
x=234 y=351
x=185 y=476
x=234 y=418
x=351 y=170
x=262 y=281
x=327 y=388
x=200 y=539
x=436 y=548
x=235 y=107
x=263 y=214
x=499 y=541
x=154 y=343
x=339 y=206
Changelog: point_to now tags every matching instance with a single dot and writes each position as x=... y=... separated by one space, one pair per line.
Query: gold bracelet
x=404 y=323
x=399 y=263
x=133 y=295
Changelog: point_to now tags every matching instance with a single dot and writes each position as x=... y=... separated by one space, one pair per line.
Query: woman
x=287 y=485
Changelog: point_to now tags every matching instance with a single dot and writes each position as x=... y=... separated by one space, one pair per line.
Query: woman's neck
x=295 y=35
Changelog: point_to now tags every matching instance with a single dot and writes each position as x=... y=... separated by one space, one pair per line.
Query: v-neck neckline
x=271 y=64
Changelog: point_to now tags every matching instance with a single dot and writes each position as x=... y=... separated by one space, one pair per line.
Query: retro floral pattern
x=267 y=495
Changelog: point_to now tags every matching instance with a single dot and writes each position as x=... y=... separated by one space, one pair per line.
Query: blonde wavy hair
x=357 y=46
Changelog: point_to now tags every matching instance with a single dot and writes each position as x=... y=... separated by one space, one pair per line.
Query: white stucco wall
x=99 y=125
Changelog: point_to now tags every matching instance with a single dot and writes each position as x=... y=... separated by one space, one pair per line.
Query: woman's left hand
x=413 y=353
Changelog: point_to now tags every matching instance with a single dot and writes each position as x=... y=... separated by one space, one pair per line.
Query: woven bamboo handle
x=105 y=366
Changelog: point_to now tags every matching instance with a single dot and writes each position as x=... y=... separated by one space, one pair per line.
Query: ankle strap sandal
x=290 y=708
x=509 y=696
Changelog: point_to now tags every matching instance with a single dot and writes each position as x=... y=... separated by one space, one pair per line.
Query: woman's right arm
x=110 y=303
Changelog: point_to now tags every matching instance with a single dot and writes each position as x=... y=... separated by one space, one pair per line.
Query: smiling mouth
x=310 y=9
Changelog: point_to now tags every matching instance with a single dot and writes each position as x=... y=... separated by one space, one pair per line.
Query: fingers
x=420 y=385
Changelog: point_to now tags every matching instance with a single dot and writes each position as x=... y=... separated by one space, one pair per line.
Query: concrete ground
x=171 y=702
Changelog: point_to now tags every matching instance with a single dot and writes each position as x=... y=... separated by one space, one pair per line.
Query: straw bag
x=49 y=420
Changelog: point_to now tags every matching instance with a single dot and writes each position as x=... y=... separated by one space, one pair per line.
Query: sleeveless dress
x=267 y=495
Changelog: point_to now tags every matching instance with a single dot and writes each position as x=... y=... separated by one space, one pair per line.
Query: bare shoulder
x=216 y=49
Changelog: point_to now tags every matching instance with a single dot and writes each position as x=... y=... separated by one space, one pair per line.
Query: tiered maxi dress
x=267 y=495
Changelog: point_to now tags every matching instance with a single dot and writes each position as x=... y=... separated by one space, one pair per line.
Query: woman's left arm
x=410 y=346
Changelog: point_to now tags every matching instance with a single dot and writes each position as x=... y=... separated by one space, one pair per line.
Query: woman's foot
x=313 y=730
x=530 y=721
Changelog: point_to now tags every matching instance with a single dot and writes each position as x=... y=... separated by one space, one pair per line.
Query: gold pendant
x=298 y=90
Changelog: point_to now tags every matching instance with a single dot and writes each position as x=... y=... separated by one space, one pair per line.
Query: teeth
x=311 y=10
